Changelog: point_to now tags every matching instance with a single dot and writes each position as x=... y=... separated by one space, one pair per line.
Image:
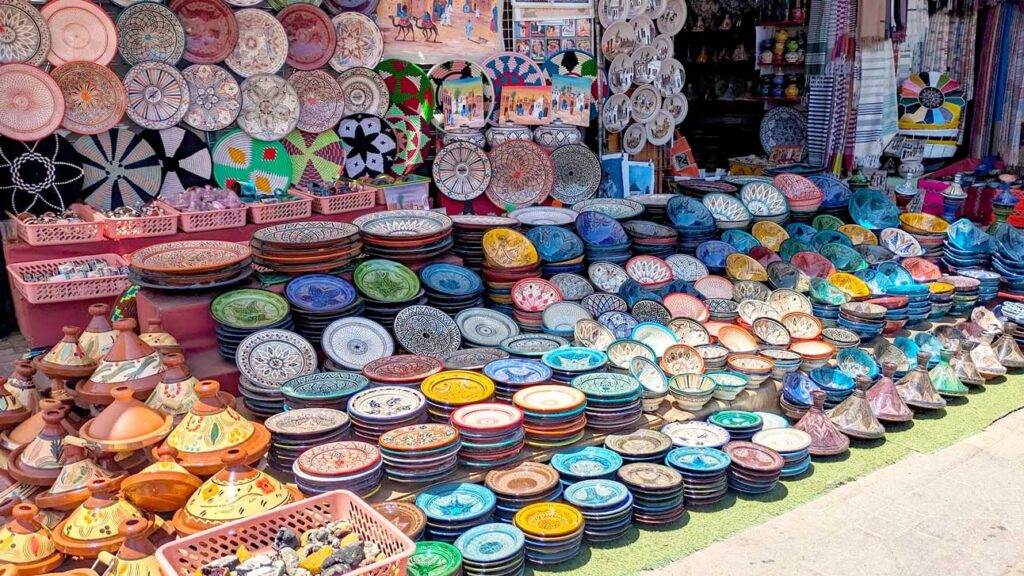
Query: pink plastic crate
x=283 y=211
x=184 y=556
x=141 y=227
x=343 y=202
x=57 y=234
x=67 y=290
x=208 y=219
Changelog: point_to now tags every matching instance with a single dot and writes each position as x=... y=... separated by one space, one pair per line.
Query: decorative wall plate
x=270 y=107
x=783 y=126
x=409 y=138
x=120 y=168
x=673 y=18
x=577 y=173
x=522 y=174
x=41 y=175
x=364 y=91
x=211 y=30
x=262 y=46
x=269 y=358
x=618 y=38
x=315 y=157
x=149 y=32
x=663 y=44
x=31 y=103
x=214 y=97
x=369 y=143
x=510 y=69
x=321 y=104
x=659 y=128
x=462 y=171
x=646 y=102
x=184 y=157
x=611 y=11
x=94 y=97
x=616 y=112
x=359 y=42
x=427 y=330
x=670 y=78
x=368 y=7
x=409 y=86
x=157 y=95
x=79 y=30
x=620 y=74
x=454 y=70
x=239 y=158
x=634 y=138
x=26 y=36
x=311 y=37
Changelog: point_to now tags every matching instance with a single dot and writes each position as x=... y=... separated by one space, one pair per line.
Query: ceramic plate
x=427 y=330
x=783 y=126
x=359 y=42
x=262 y=46
x=94 y=97
x=27 y=37
x=31 y=103
x=158 y=97
x=269 y=358
x=211 y=30
x=270 y=107
x=149 y=32
x=311 y=36
x=577 y=173
x=214 y=97
x=521 y=174
x=249 y=308
x=321 y=103
x=462 y=171
x=484 y=327
x=364 y=91
x=79 y=30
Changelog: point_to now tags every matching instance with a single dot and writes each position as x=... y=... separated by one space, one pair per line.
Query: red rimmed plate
x=189 y=256
x=26 y=36
x=338 y=458
x=211 y=30
x=419 y=437
x=79 y=30
x=487 y=417
x=321 y=103
x=94 y=98
x=402 y=368
x=534 y=294
x=311 y=36
x=31 y=103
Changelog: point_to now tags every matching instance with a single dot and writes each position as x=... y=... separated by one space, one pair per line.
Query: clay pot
x=98 y=337
x=164 y=486
x=130 y=362
x=126 y=424
x=854 y=417
x=71 y=487
x=826 y=439
x=916 y=387
x=93 y=527
x=23 y=433
x=159 y=339
x=886 y=403
x=136 y=557
x=40 y=461
x=27 y=544
x=65 y=364
x=12 y=411
x=175 y=393
x=22 y=384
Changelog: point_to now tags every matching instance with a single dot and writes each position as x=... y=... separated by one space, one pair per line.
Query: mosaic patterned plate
x=237 y=157
x=31 y=103
x=783 y=126
x=214 y=97
x=522 y=174
x=462 y=171
x=355 y=342
x=454 y=70
x=94 y=98
x=338 y=458
x=323 y=386
x=321 y=103
x=427 y=330
x=577 y=173
x=158 y=97
x=312 y=234
x=121 y=169
x=269 y=358
x=510 y=69
x=262 y=46
x=26 y=36
x=311 y=36
x=399 y=223
x=79 y=30
x=149 y=32
x=270 y=107
x=385 y=403
x=249 y=308
x=364 y=91
x=369 y=143
x=188 y=256
x=386 y=281
x=211 y=30
x=359 y=42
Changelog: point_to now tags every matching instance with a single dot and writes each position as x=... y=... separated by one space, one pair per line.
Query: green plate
x=386 y=281
x=409 y=86
x=434 y=559
x=735 y=419
x=239 y=158
x=249 y=308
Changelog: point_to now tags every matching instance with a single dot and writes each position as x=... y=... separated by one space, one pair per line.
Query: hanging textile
x=876 y=101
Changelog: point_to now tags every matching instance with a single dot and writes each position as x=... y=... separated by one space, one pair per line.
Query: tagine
x=129 y=362
x=93 y=526
x=27 y=545
x=65 y=364
x=163 y=486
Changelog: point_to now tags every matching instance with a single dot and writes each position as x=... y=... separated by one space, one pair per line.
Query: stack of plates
x=303 y=247
x=431 y=558
x=827 y=313
x=262 y=401
x=530 y=297
x=693 y=221
x=957 y=258
x=322 y=390
x=293 y=431
x=451 y=288
x=532 y=345
x=654 y=205
x=510 y=375
x=239 y=313
x=553 y=531
x=468 y=231
x=521 y=485
x=919 y=305
x=412 y=522
x=754 y=469
x=657 y=492
x=696 y=434
x=639 y=446
x=553 y=415
x=941 y=299
x=572 y=361
x=604 y=238
x=492 y=550
x=492 y=434
x=446 y=391
x=190 y=265
x=405 y=235
x=454 y=508
x=854 y=319
x=353 y=466
x=379 y=410
x=966 y=293
x=587 y=463
x=740 y=424
x=499 y=282
x=606 y=505
x=319 y=299
x=387 y=288
x=560 y=250
x=405 y=370
x=792 y=444
x=704 y=472
x=651 y=238
x=420 y=453
x=613 y=401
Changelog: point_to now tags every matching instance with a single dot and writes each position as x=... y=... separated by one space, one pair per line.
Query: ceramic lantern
x=126 y=424
x=129 y=362
x=65 y=364
x=158 y=338
x=27 y=544
x=71 y=487
x=98 y=337
x=93 y=526
x=163 y=486
x=40 y=461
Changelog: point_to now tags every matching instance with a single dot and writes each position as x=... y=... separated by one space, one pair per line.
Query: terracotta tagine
x=163 y=486
x=236 y=491
x=22 y=384
x=854 y=417
x=126 y=424
x=93 y=526
x=916 y=387
x=1007 y=351
x=965 y=369
x=23 y=433
x=71 y=487
x=65 y=364
x=826 y=439
x=885 y=401
x=137 y=556
x=98 y=337
x=944 y=378
x=12 y=411
x=12 y=493
x=984 y=358
x=27 y=544
x=175 y=393
x=129 y=362
x=40 y=461
x=158 y=338
x=210 y=429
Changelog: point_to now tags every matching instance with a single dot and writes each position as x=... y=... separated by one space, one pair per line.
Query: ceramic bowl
x=783 y=361
x=727 y=384
x=737 y=339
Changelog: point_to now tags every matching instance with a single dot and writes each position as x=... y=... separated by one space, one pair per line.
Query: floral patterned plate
x=269 y=358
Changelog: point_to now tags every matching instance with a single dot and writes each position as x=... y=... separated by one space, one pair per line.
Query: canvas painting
x=529 y=105
x=433 y=31
x=613 y=176
x=570 y=99
x=463 y=103
x=641 y=179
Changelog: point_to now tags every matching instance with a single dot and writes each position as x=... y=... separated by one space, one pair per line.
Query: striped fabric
x=876 y=101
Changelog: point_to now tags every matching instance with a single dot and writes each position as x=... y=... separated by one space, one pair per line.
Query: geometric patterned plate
x=522 y=174
x=354 y=342
x=270 y=107
x=369 y=143
x=79 y=30
x=94 y=97
x=315 y=157
x=577 y=173
x=26 y=36
x=311 y=38
x=269 y=358
x=121 y=169
x=455 y=70
x=149 y=32
x=239 y=158
x=462 y=171
x=158 y=97
x=510 y=69
x=359 y=42
x=408 y=129
x=184 y=157
x=364 y=91
x=215 y=98
x=409 y=86
x=262 y=46
x=321 y=103
x=783 y=126
x=31 y=103
x=427 y=330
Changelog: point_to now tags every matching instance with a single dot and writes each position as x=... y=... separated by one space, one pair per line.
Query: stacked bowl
x=240 y=313
x=784 y=361
x=606 y=506
x=967 y=246
x=657 y=492
x=837 y=385
x=740 y=425
x=754 y=469
x=803 y=195
x=317 y=300
x=468 y=232
x=521 y=485
x=405 y=235
x=966 y=292
x=587 y=463
x=755 y=368
x=691 y=391
x=553 y=414
x=792 y=444
x=322 y=390
x=989 y=280
x=420 y=453
x=604 y=238
x=865 y=320
x=728 y=385
x=613 y=401
x=454 y=508
x=492 y=549
x=553 y=531
x=451 y=288
x=451 y=389
x=508 y=257
x=510 y=375
x=704 y=472
x=796 y=394
x=492 y=434
x=347 y=465
x=572 y=361
x=530 y=297
x=375 y=411
x=929 y=231
x=692 y=220
x=651 y=238
x=897 y=311
x=560 y=250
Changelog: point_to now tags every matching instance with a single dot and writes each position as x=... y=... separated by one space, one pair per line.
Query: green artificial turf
x=644 y=549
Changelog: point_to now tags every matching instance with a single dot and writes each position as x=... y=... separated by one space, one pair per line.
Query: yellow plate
x=922 y=223
x=859 y=234
x=742 y=267
x=769 y=234
x=853 y=287
x=457 y=387
x=940 y=288
x=508 y=248
x=548 y=519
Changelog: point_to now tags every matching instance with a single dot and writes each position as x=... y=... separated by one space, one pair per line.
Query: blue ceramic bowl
x=713 y=253
x=829 y=237
x=599 y=229
x=837 y=193
x=802 y=232
x=686 y=212
x=873 y=210
x=742 y=241
x=854 y=361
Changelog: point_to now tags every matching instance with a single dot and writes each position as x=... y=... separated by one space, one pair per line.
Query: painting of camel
x=433 y=31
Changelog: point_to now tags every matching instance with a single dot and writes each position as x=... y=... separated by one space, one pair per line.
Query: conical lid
x=210 y=429
x=22 y=384
x=40 y=461
x=130 y=361
x=158 y=338
x=66 y=359
x=137 y=555
x=965 y=369
x=12 y=411
x=1007 y=351
x=14 y=492
x=126 y=424
x=163 y=486
x=23 y=433
x=27 y=544
x=93 y=526
x=71 y=487
x=944 y=379
x=854 y=417
x=985 y=360
x=98 y=337
x=175 y=393
x=916 y=387
x=826 y=439
x=885 y=401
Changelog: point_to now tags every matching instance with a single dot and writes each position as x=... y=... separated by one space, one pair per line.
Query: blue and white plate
x=320 y=293
x=456 y=501
x=490 y=543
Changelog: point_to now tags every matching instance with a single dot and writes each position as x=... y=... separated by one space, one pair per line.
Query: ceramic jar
x=98 y=337
x=130 y=362
x=556 y=134
x=93 y=526
x=474 y=137
x=27 y=544
x=500 y=134
x=163 y=486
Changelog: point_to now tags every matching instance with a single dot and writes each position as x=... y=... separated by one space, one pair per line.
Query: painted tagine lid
x=22 y=384
x=66 y=359
x=175 y=393
x=826 y=439
x=137 y=556
x=12 y=411
x=163 y=486
x=71 y=487
x=854 y=417
x=886 y=403
x=965 y=369
x=984 y=358
x=27 y=544
x=916 y=387
x=158 y=338
x=126 y=424
x=23 y=433
x=1007 y=351
x=129 y=362
x=944 y=378
x=40 y=461
x=12 y=493
x=98 y=337
x=236 y=491
x=93 y=527
x=210 y=429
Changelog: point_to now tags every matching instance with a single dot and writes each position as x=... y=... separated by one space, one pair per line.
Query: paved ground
x=957 y=511
x=11 y=348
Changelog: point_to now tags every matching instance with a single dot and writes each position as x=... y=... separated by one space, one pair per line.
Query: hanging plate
x=409 y=138
x=571 y=62
x=359 y=42
x=121 y=169
x=367 y=7
x=149 y=32
x=31 y=102
x=214 y=97
x=39 y=176
x=522 y=174
x=783 y=126
x=455 y=70
x=158 y=97
x=321 y=105
x=673 y=18
x=409 y=86
x=364 y=91
x=315 y=157
x=262 y=46
x=239 y=158
x=26 y=36
x=369 y=144
x=634 y=138
x=311 y=38
x=577 y=173
x=462 y=171
x=79 y=30
x=184 y=157
x=270 y=107
x=510 y=69
x=211 y=30
x=660 y=128
x=94 y=97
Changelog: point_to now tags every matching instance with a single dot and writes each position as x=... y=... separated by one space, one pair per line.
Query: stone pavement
x=12 y=348
x=957 y=511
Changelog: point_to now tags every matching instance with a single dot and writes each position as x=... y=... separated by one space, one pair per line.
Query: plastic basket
x=282 y=211
x=208 y=219
x=67 y=290
x=141 y=227
x=343 y=202
x=183 y=557
x=57 y=234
